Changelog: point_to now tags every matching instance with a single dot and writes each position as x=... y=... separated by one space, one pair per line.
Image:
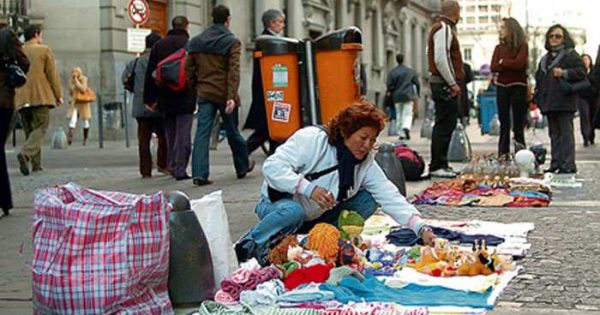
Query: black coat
x=169 y=102
x=548 y=94
x=257 y=116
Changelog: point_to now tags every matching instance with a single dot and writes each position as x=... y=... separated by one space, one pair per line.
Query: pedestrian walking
x=34 y=100
x=587 y=103
x=560 y=67
x=11 y=51
x=177 y=107
x=404 y=87
x=446 y=71
x=148 y=121
x=79 y=105
x=274 y=23
x=213 y=70
x=509 y=61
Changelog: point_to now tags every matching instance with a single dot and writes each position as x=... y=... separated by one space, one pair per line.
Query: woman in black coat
x=10 y=52
x=587 y=104
x=561 y=66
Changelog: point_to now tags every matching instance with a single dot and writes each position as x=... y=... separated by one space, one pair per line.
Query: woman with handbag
x=586 y=104
x=510 y=62
x=561 y=66
x=11 y=52
x=80 y=108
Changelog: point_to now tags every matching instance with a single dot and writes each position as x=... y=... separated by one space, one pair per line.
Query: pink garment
x=245 y=279
x=224 y=298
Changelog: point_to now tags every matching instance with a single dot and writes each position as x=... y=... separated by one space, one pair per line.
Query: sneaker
x=250 y=168
x=443 y=173
x=202 y=182
x=185 y=176
x=23 y=163
x=244 y=249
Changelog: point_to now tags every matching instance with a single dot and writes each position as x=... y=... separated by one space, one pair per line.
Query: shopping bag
x=98 y=252
x=210 y=211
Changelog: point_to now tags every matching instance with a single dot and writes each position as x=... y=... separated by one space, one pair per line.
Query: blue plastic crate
x=487 y=109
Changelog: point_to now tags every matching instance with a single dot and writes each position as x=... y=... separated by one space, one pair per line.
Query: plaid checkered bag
x=97 y=252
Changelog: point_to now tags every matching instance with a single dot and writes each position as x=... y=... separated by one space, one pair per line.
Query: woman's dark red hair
x=358 y=115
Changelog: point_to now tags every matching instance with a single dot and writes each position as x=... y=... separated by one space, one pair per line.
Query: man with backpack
x=148 y=121
x=213 y=70
x=177 y=106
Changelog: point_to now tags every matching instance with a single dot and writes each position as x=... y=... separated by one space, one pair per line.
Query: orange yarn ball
x=324 y=238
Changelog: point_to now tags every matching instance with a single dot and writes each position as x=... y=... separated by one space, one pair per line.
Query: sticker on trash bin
x=274 y=96
x=280 y=76
x=281 y=112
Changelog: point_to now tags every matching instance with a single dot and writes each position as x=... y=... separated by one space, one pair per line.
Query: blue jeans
x=206 y=116
x=286 y=216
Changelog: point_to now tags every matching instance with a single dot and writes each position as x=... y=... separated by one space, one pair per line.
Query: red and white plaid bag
x=98 y=252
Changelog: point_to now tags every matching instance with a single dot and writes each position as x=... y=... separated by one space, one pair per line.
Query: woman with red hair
x=320 y=171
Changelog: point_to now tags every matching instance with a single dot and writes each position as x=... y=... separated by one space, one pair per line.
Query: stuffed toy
x=279 y=253
x=351 y=224
x=478 y=262
x=349 y=256
x=323 y=238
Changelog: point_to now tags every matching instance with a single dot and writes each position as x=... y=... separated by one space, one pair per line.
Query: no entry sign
x=138 y=11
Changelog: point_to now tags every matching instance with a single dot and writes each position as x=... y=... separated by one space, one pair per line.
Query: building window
x=470 y=20
x=484 y=19
x=467 y=54
x=471 y=8
x=482 y=8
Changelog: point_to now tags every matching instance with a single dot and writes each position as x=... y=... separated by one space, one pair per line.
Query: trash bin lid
x=339 y=39
x=275 y=45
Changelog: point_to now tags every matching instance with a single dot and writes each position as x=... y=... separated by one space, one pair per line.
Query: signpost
x=136 y=39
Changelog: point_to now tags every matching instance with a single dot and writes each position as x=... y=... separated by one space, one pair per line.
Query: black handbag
x=129 y=82
x=15 y=75
x=569 y=88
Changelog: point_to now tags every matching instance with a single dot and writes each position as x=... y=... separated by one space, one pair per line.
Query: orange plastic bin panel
x=338 y=75
x=282 y=94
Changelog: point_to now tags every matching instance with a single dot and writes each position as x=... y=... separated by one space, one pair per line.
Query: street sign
x=136 y=39
x=138 y=11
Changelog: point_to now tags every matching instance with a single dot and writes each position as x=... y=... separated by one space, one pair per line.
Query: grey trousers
x=562 y=141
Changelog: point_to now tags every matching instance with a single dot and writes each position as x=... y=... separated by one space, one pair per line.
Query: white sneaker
x=444 y=173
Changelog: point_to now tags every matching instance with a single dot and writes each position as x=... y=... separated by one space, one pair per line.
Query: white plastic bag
x=210 y=211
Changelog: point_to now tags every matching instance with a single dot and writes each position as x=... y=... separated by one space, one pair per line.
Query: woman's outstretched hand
x=323 y=197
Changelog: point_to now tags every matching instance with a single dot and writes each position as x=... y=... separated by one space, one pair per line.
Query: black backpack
x=129 y=81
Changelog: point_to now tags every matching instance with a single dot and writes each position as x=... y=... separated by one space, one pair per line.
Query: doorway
x=158 y=21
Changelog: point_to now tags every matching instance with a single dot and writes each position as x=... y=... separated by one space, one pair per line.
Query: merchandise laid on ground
x=376 y=267
x=515 y=192
x=489 y=181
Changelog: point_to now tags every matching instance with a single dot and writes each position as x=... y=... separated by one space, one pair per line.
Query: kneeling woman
x=320 y=171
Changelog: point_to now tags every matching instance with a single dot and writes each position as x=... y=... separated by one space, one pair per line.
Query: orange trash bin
x=278 y=57
x=337 y=66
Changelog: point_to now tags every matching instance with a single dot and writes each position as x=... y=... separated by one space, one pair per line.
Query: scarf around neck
x=346 y=164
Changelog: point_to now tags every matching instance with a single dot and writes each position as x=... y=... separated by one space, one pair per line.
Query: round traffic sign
x=138 y=11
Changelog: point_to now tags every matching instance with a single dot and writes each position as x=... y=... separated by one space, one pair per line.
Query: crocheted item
x=324 y=239
x=279 y=253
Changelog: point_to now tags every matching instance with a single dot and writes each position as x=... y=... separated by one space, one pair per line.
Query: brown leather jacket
x=454 y=57
x=213 y=70
x=13 y=49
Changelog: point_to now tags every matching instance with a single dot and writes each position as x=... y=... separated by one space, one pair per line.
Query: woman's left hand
x=428 y=237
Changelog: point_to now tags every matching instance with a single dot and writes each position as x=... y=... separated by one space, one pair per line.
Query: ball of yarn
x=324 y=238
x=279 y=253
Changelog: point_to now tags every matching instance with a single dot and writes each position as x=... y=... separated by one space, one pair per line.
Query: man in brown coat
x=446 y=70
x=213 y=70
x=34 y=100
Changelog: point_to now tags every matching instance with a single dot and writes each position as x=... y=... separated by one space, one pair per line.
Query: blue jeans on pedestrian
x=286 y=216
x=200 y=155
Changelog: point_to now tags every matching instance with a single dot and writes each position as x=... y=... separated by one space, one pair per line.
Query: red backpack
x=413 y=164
x=170 y=72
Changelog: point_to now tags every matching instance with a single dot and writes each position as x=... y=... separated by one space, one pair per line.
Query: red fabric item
x=315 y=273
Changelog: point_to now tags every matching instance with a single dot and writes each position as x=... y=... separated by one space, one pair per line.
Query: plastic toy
x=351 y=224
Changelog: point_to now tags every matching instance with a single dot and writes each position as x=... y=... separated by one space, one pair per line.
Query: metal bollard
x=391 y=165
x=191 y=277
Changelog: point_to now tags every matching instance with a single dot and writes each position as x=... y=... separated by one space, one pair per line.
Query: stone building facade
x=92 y=34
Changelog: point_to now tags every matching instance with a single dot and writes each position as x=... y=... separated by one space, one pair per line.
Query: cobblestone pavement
x=561 y=274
